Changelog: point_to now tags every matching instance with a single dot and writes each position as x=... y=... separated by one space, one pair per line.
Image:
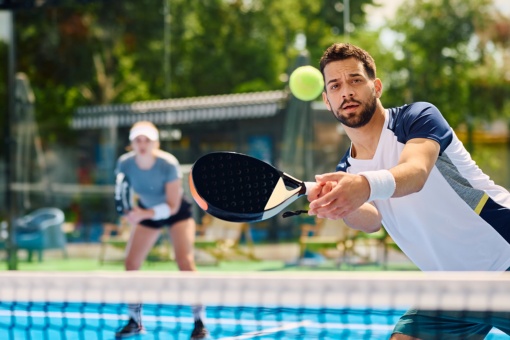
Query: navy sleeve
x=344 y=162
x=420 y=120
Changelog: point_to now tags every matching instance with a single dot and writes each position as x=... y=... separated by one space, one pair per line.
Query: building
x=272 y=126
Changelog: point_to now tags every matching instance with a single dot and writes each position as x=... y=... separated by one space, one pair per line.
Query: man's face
x=350 y=94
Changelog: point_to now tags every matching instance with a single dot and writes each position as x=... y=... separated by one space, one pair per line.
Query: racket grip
x=309 y=186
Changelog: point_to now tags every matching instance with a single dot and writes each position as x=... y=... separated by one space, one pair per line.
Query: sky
x=378 y=15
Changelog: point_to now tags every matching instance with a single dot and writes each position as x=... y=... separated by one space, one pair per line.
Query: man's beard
x=362 y=119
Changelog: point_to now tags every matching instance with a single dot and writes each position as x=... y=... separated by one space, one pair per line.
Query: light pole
x=166 y=47
x=347 y=24
x=12 y=260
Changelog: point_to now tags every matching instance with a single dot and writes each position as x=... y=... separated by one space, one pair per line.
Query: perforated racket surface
x=240 y=188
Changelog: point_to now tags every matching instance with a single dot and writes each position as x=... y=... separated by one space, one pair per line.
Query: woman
x=156 y=177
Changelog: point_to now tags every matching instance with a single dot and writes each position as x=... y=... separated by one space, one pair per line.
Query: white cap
x=144 y=130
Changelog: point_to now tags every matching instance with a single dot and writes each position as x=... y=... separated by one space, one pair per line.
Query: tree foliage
x=442 y=58
x=96 y=52
x=452 y=53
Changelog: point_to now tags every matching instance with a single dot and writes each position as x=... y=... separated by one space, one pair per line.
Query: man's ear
x=378 y=87
x=326 y=101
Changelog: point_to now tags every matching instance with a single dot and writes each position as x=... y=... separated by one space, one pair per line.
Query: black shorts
x=183 y=214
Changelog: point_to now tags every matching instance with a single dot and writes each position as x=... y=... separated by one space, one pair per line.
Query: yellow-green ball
x=306 y=83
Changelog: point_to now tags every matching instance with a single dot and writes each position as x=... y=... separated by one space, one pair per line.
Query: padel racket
x=123 y=201
x=239 y=188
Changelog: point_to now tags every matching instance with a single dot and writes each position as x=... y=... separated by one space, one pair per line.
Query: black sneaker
x=199 y=332
x=132 y=328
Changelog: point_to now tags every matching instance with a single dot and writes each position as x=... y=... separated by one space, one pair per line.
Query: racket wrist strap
x=161 y=211
x=382 y=184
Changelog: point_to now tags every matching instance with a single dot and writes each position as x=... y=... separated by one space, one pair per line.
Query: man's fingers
x=332 y=212
x=314 y=193
x=325 y=199
x=331 y=176
x=320 y=190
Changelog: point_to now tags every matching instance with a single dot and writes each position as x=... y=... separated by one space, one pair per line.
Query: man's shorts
x=183 y=214
x=450 y=325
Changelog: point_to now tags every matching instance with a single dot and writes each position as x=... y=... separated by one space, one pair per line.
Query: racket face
x=122 y=194
x=233 y=186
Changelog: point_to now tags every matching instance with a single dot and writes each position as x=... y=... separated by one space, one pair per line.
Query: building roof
x=182 y=110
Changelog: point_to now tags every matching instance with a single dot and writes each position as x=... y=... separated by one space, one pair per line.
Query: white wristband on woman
x=382 y=184
x=161 y=212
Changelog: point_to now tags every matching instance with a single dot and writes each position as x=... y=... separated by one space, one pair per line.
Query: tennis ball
x=306 y=83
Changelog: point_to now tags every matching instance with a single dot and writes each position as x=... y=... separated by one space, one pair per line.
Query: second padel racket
x=240 y=188
x=123 y=200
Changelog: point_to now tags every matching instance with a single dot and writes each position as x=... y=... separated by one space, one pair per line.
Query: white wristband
x=161 y=212
x=382 y=184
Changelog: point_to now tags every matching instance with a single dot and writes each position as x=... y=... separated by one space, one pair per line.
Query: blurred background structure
x=213 y=76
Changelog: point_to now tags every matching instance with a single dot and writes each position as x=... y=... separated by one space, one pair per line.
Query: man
x=407 y=170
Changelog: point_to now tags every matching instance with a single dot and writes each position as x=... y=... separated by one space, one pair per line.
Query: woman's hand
x=137 y=214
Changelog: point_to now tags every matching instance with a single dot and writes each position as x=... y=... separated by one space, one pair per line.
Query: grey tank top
x=149 y=184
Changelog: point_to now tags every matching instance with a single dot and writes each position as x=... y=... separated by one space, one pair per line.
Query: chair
x=114 y=236
x=335 y=240
x=373 y=242
x=331 y=239
x=41 y=230
x=117 y=236
x=222 y=240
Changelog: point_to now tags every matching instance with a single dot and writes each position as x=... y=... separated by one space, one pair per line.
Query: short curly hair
x=342 y=51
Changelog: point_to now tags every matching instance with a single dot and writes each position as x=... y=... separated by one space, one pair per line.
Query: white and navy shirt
x=460 y=220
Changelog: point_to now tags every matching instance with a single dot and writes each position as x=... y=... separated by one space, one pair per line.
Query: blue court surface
x=91 y=321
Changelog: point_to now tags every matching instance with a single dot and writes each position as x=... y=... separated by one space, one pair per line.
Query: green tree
x=440 y=61
x=79 y=54
x=238 y=46
x=99 y=52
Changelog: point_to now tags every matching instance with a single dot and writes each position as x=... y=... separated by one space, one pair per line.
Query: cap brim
x=147 y=132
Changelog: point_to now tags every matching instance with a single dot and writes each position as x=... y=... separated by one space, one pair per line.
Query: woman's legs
x=183 y=240
x=141 y=241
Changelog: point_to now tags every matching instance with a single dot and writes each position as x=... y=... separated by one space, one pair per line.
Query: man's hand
x=337 y=194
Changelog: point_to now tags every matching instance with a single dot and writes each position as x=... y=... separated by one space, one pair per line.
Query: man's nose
x=347 y=91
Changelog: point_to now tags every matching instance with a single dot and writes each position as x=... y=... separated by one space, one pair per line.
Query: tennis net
x=311 y=305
